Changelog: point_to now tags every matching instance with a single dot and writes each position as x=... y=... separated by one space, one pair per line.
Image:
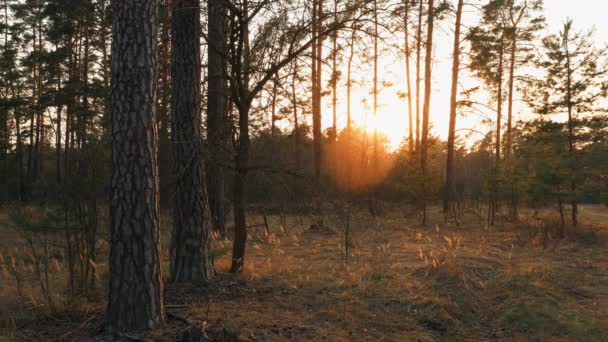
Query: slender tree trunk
x=216 y=108
x=242 y=69
x=349 y=132
x=334 y=84
x=59 y=130
x=349 y=84
x=406 y=21
x=296 y=126
x=190 y=261
x=316 y=105
x=104 y=32
x=19 y=142
x=495 y=176
x=135 y=300
x=571 y=133
x=560 y=208
x=418 y=67
x=91 y=200
x=58 y=145
x=375 y=147
x=31 y=164
x=375 y=90
x=240 y=222
x=509 y=148
x=427 y=105
x=273 y=109
x=67 y=170
x=40 y=127
x=449 y=181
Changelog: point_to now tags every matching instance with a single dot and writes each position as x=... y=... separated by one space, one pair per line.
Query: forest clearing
x=303 y=170
x=401 y=282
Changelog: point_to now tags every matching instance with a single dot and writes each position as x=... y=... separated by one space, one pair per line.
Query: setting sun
x=233 y=170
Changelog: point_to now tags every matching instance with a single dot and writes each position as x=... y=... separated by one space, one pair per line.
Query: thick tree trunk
x=135 y=300
x=5 y=121
x=449 y=180
x=190 y=261
x=427 y=105
x=164 y=103
x=4 y=147
x=216 y=107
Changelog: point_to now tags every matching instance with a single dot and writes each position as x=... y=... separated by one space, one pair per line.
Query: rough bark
x=190 y=261
x=216 y=107
x=135 y=300
x=164 y=103
x=5 y=114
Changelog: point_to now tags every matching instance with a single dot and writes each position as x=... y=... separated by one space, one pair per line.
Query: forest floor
x=400 y=282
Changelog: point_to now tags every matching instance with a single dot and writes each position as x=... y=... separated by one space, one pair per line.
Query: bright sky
x=392 y=117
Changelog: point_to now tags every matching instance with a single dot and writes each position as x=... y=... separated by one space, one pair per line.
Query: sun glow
x=391 y=120
x=392 y=116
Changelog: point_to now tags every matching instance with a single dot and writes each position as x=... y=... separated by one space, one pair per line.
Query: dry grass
x=402 y=282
